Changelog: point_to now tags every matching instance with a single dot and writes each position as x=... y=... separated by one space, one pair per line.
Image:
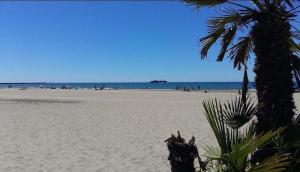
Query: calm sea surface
x=134 y=85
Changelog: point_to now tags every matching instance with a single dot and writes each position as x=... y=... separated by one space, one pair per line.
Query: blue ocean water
x=135 y=85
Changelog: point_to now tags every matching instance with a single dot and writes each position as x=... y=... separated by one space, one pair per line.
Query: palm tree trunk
x=273 y=70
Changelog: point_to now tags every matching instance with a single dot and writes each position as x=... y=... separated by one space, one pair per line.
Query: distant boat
x=158 y=81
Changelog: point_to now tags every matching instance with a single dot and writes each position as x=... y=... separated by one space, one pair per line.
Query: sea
x=134 y=85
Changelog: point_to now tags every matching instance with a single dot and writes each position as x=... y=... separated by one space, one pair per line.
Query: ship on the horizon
x=158 y=81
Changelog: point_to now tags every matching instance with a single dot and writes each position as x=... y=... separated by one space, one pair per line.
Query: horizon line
x=76 y=82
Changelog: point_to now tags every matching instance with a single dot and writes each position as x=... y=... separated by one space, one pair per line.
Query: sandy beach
x=98 y=131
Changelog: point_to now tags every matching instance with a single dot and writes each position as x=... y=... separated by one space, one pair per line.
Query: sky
x=107 y=42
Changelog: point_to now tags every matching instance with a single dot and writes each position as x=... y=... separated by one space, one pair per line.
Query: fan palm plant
x=263 y=27
x=289 y=142
x=237 y=145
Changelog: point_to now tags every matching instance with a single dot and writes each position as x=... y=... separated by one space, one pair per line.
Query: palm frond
x=213 y=153
x=297 y=120
x=294 y=47
x=279 y=3
x=210 y=3
x=290 y=3
x=217 y=29
x=203 y=3
x=236 y=146
x=226 y=118
x=250 y=131
x=208 y=41
x=296 y=34
x=224 y=27
x=214 y=115
x=277 y=163
x=245 y=85
x=258 y=4
x=227 y=38
x=229 y=16
x=241 y=151
x=237 y=113
x=240 y=52
x=251 y=144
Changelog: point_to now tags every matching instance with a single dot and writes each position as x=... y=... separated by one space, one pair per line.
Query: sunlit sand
x=98 y=131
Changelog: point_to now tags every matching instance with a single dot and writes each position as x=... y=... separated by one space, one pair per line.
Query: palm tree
x=263 y=27
x=237 y=144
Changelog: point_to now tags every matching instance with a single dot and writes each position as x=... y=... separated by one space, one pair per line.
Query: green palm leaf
x=208 y=41
x=226 y=118
x=240 y=151
x=236 y=146
x=277 y=163
x=214 y=115
x=224 y=27
x=240 y=52
x=237 y=113
x=213 y=153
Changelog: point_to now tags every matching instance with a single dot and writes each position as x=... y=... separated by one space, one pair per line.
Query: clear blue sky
x=106 y=42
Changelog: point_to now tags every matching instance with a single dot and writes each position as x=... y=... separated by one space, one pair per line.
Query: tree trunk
x=273 y=70
x=182 y=154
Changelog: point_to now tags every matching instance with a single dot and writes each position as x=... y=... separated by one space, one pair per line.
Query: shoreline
x=133 y=89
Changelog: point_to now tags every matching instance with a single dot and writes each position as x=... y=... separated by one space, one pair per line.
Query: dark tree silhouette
x=182 y=154
x=264 y=28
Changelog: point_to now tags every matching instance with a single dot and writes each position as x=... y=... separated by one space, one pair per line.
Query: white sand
x=97 y=131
